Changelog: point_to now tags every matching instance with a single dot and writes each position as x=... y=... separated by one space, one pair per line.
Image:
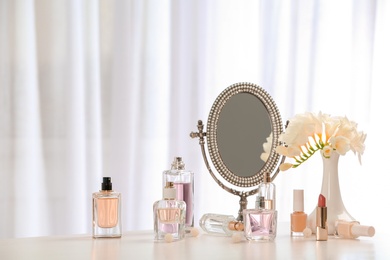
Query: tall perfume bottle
x=352 y=229
x=183 y=180
x=169 y=215
x=217 y=224
x=106 y=219
x=260 y=224
x=298 y=217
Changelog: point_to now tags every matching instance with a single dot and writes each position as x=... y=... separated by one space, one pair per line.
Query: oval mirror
x=243 y=120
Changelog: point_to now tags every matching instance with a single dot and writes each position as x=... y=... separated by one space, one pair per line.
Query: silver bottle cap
x=177 y=164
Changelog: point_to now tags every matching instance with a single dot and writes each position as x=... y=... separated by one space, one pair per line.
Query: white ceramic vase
x=331 y=190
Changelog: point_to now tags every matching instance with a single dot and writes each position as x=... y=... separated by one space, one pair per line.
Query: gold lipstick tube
x=321 y=224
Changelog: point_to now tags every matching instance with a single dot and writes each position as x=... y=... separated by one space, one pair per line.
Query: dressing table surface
x=140 y=245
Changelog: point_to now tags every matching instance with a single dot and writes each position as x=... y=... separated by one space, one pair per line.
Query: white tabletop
x=140 y=245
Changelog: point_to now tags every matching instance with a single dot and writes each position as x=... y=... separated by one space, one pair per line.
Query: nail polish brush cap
x=298 y=205
x=106 y=184
x=359 y=230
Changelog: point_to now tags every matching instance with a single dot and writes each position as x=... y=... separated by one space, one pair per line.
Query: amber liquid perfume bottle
x=106 y=217
x=183 y=180
x=216 y=224
x=298 y=217
x=169 y=215
x=260 y=224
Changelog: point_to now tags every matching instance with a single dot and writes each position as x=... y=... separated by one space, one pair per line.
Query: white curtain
x=113 y=88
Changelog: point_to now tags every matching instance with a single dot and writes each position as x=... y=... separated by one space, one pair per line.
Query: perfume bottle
x=106 y=219
x=298 y=217
x=352 y=229
x=260 y=224
x=217 y=224
x=183 y=180
x=169 y=215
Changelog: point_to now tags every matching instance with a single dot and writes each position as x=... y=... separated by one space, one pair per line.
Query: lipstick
x=321 y=219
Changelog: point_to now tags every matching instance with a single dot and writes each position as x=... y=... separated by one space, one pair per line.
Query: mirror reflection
x=242 y=129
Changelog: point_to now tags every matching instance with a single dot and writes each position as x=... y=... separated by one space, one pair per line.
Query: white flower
x=290 y=151
x=285 y=166
x=307 y=133
x=327 y=151
x=340 y=144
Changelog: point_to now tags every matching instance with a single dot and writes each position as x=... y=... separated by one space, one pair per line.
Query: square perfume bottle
x=169 y=216
x=260 y=224
x=106 y=216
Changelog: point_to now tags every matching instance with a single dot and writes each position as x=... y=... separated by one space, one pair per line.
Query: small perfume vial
x=217 y=224
x=183 y=180
x=298 y=217
x=106 y=219
x=169 y=216
x=352 y=229
x=261 y=224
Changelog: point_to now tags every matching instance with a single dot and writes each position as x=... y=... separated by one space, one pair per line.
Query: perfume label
x=169 y=215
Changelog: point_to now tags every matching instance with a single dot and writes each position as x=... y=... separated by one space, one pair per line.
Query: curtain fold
x=114 y=88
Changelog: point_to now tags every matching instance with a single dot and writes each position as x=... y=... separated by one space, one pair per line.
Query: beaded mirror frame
x=270 y=166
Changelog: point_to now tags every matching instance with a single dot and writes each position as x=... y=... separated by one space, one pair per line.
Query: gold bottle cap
x=236 y=225
x=266 y=177
x=268 y=204
x=169 y=192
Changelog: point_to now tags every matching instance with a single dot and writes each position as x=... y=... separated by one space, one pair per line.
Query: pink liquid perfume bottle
x=260 y=224
x=169 y=215
x=106 y=219
x=183 y=180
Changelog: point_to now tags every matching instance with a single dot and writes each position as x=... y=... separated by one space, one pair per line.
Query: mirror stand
x=243 y=195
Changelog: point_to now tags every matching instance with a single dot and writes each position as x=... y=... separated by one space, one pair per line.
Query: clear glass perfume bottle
x=183 y=180
x=218 y=224
x=298 y=217
x=169 y=215
x=261 y=224
x=106 y=219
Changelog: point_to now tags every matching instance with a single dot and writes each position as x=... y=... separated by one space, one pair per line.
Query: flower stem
x=310 y=151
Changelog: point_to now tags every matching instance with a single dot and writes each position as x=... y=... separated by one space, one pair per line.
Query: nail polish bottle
x=352 y=229
x=260 y=224
x=169 y=215
x=106 y=219
x=183 y=180
x=298 y=217
x=217 y=224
